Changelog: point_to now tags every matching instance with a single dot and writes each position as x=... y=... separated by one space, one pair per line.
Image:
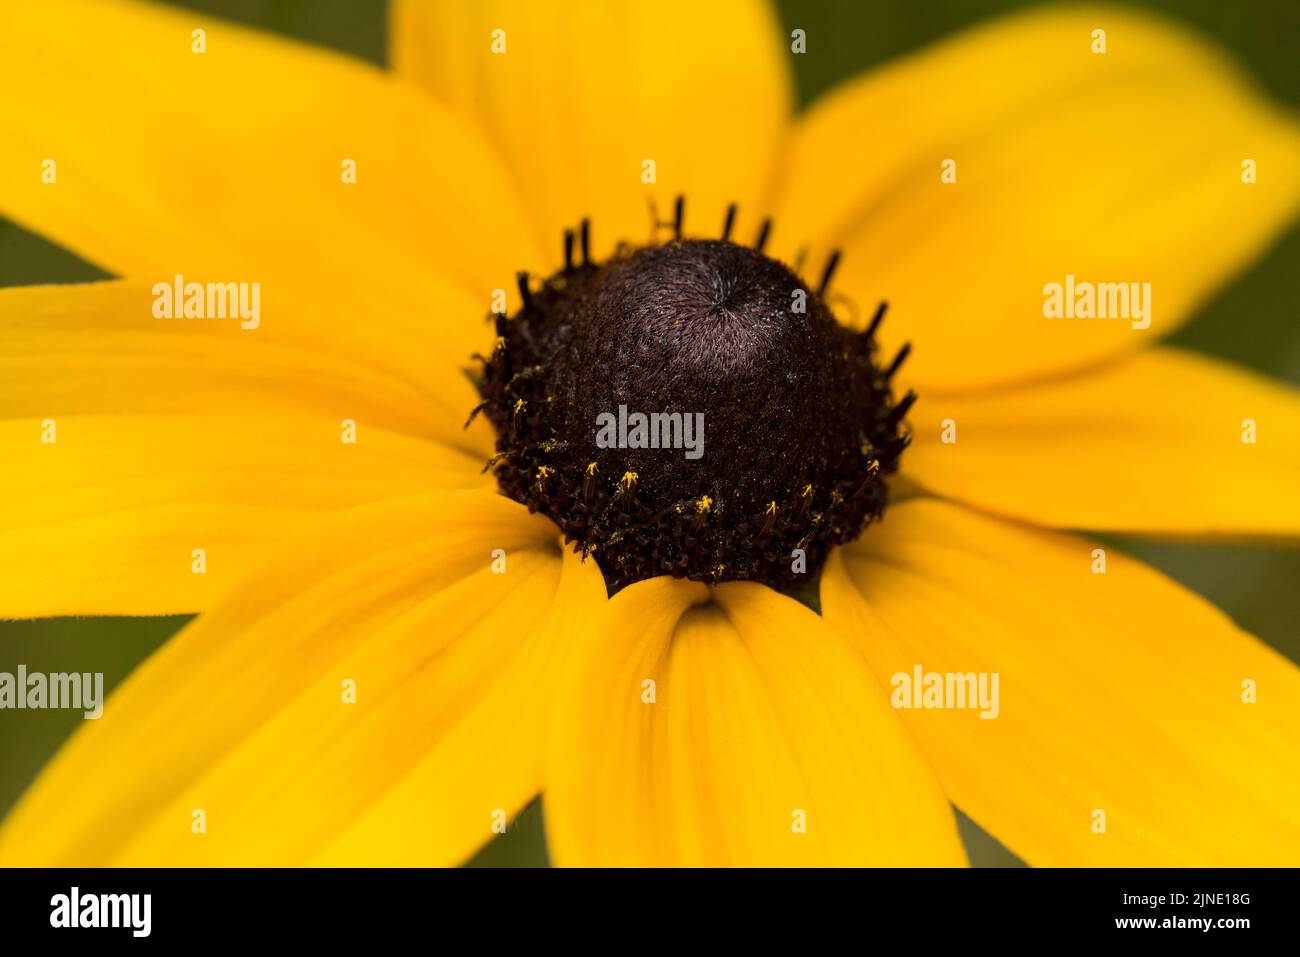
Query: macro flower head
x=559 y=412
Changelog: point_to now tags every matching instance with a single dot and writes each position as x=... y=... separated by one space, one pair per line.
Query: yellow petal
x=731 y=730
x=1123 y=166
x=587 y=93
x=244 y=716
x=109 y=517
x=96 y=348
x=228 y=165
x=1120 y=694
x=486 y=768
x=1155 y=443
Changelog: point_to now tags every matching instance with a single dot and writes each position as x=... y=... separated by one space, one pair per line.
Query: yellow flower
x=676 y=722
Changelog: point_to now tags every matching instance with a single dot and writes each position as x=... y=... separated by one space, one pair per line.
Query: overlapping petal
x=600 y=108
x=1164 y=442
x=1135 y=725
x=729 y=728
x=230 y=165
x=1117 y=167
x=420 y=609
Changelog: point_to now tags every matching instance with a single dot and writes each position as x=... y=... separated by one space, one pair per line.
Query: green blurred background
x=1253 y=322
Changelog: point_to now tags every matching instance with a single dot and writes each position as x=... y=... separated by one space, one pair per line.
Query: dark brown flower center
x=692 y=409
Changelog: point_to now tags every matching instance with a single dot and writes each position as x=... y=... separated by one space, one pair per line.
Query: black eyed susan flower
x=395 y=650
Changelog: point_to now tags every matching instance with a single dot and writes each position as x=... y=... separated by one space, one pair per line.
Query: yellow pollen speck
x=500 y=344
x=519 y=405
x=591 y=468
x=874 y=467
x=543 y=471
x=771 y=508
x=807 y=491
x=628 y=479
x=703 y=504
